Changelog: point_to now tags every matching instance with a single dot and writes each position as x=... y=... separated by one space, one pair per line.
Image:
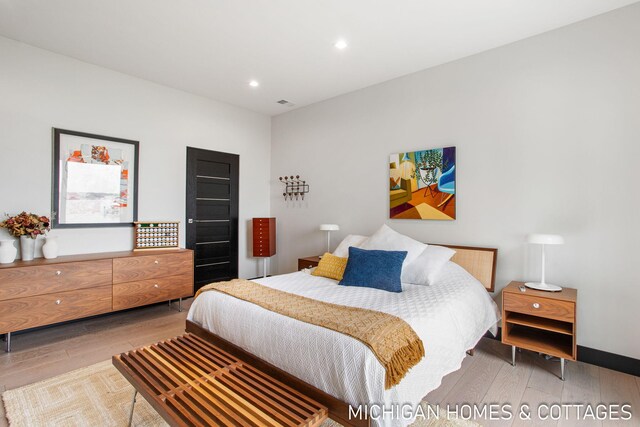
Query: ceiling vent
x=286 y=103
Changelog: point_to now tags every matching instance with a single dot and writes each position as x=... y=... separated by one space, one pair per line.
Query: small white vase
x=7 y=251
x=27 y=248
x=50 y=247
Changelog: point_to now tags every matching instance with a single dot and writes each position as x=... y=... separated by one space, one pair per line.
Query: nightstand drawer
x=308 y=262
x=538 y=306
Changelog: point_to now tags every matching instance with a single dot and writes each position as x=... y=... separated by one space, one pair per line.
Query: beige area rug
x=99 y=395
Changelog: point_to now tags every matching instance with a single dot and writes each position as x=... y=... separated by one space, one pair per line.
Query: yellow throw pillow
x=331 y=267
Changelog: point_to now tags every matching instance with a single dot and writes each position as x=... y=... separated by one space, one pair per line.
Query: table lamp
x=544 y=239
x=329 y=228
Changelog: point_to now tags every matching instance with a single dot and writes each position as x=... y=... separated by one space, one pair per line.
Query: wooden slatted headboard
x=480 y=262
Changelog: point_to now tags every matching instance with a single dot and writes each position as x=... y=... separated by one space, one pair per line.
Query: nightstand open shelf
x=543 y=341
x=540 y=323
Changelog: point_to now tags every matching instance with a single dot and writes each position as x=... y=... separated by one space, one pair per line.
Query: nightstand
x=540 y=321
x=308 y=262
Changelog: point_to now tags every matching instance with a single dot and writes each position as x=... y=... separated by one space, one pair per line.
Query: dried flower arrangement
x=26 y=224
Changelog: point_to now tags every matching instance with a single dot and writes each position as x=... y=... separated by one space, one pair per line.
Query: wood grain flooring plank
x=533 y=398
x=38 y=373
x=507 y=388
x=583 y=388
x=449 y=381
x=497 y=348
x=545 y=375
x=25 y=366
x=619 y=388
x=89 y=356
x=472 y=387
x=157 y=335
x=15 y=359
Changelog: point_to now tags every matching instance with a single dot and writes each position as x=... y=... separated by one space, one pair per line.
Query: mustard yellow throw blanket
x=392 y=340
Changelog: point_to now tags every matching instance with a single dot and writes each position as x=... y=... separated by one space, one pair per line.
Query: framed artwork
x=422 y=184
x=95 y=180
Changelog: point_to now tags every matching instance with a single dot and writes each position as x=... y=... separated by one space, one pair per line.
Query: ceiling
x=214 y=48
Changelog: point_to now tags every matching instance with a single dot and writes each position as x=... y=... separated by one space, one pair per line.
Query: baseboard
x=604 y=359
x=592 y=356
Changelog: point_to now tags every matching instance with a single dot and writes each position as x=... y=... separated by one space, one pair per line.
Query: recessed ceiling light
x=341 y=44
x=254 y=83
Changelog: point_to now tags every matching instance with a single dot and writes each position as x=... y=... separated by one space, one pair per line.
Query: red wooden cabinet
x=264 y=237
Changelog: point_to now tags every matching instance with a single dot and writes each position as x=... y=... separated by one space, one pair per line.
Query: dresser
x=264 y=240
x=43 y=292
x=264 y=237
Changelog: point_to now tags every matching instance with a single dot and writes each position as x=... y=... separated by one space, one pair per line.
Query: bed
x=449 y=316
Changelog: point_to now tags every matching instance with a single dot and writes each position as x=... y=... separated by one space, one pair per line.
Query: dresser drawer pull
x=156 y=262
x=535 y=305
x=58 y=302
x=58 y=273
x=156 y=286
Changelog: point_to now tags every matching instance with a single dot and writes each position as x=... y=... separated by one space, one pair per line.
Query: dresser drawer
x=29 y=312
x=146 y=267
x=539 y=306
x=142 y=292
x=45 y=279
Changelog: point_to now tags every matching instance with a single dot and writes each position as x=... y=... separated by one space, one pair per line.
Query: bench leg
x=133 y=406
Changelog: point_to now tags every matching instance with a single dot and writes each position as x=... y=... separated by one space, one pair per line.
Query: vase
x=7 y=251
x=27 y=248
x=50 y=247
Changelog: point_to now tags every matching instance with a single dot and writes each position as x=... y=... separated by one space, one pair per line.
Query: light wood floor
x=487 y=377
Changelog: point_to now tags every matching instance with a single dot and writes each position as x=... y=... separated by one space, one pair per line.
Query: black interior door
x=212 y=214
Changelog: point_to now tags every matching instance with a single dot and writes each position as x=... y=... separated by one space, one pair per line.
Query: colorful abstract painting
x=422 y=184
x=96 y=179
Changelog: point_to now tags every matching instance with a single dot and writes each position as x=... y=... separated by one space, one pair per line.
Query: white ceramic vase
x=27 y=248
x=50 y=247
x=7 y=251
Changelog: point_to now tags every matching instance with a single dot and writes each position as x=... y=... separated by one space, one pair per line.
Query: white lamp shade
x=545 y=239
x=329 y=227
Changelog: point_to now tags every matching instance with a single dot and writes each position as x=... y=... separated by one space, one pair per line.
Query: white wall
x=40 y=90
x=547 y=132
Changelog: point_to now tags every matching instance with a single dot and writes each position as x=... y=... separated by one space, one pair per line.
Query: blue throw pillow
x=374 y=269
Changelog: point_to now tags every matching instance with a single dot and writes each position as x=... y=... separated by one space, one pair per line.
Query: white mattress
x=450 y=317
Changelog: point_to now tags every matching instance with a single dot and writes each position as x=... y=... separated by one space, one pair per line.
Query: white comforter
x=450 y=317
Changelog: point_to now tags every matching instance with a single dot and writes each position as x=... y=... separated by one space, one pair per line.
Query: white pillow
x=426 y=268
x=351 y=240
x=387 y=239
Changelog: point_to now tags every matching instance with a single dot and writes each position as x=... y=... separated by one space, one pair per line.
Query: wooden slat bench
x=190 y=382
